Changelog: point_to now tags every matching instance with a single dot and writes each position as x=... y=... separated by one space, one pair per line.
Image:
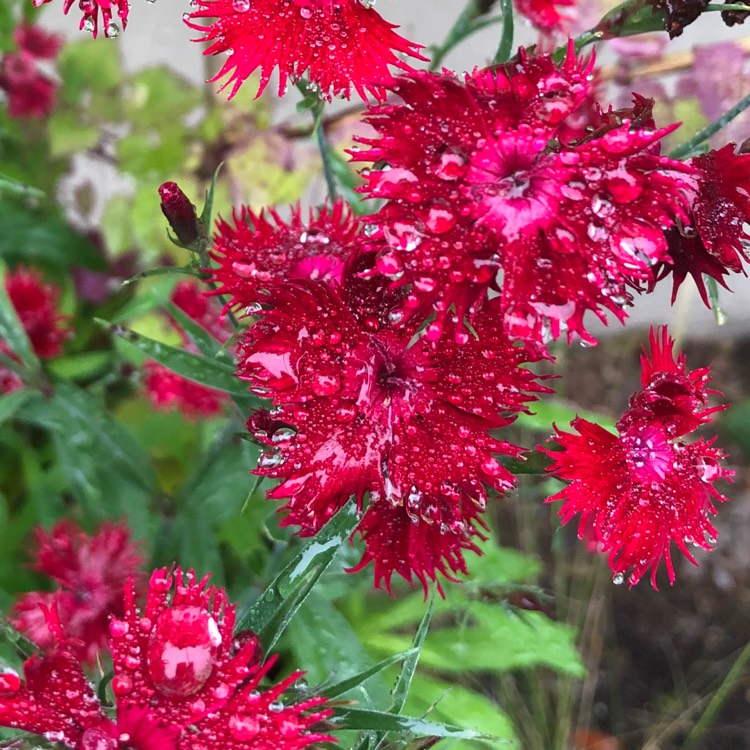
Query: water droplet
x=325 y=384
x=345 y=413
x=241 y=6
x=121 y=684
x=492 y=467
x=112 y=31
x=182 y=650
x=283 y=434
x=301 y=684
x=276 y=706
x=618 y=578
x=10 y=683
x=440 y=220
x=96 y=739
x=118 y=628
x=244 y=727
x=270 y=460
x=305 y=12
x=88 y=25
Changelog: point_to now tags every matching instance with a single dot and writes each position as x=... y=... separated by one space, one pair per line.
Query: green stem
x=325 y=153
x=506 y=40
x=718 y=700
x=728 y=6
x=465 y=25
x=688 y=147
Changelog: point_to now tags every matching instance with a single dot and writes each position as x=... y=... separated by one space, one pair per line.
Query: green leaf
x=326 y=644
x=196 y=367
x=339 y=688
x=356 y=718
x=506 y=40
x=208 y=207
x=206 y=344
x=275 y=607
x=10 y=403
x=12 y=331
x=76 y=417
x=10 y=186
x=38 y=236
x=160 y=99
x=443 y=701
x=401 y=688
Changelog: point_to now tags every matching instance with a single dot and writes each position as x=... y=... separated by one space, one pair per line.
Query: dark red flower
x=36 y=305
x=91 y=10
x=338 y=44
x=478 y=182
x=91 y=571
x=30 y=92
x=545 y=14
x=643 y=488
x=166 y=389
x=361 y=407
x=712 y=240
x=37 y=42
x=181 y=681
x=260 y=251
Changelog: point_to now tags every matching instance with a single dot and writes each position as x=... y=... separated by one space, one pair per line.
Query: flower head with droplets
x=643 y=488
x=259 y=251
x=364 y=404
x=182 y=681
x=480 y=182
x=338 y=44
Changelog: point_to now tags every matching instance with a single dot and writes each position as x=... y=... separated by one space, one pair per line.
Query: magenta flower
x=338 y=45
x=478 y=181
x=712 y=240
x=260 y=251
x=91 y=9
x=642 y=489
x=37 y=306
x=359 y=407
x=166 y=389
x=91 y=571
x=181 y=681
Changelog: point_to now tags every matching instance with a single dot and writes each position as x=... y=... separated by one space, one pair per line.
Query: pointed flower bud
x=180 y=214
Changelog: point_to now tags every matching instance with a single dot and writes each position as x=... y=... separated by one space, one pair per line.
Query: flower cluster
x=37 y=306
x=30 y=91
x=182 y=681
x=643 y=488
x=339 y=44
x=165 y=389
x=90 y=571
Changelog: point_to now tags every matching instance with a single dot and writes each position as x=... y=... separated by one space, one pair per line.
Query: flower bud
x=180 y=213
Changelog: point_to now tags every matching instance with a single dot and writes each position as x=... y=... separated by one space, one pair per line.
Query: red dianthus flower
x=362 y=408
x=337 y=43
x=642 y=489
x=91 y=10
x=168 y=390
x=181 y=682
x=30 y=91
x=91 y=571
x=478 y=182
x=36 y=305
x=712 y=241
x=261 y=251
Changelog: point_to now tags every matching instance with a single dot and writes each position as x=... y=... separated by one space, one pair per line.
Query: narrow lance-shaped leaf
x=381 y=721
x=339 y=688
x=273 y=610
x=12 y=331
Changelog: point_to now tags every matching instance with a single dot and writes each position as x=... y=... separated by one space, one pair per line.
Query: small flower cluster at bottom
x=183 y=680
